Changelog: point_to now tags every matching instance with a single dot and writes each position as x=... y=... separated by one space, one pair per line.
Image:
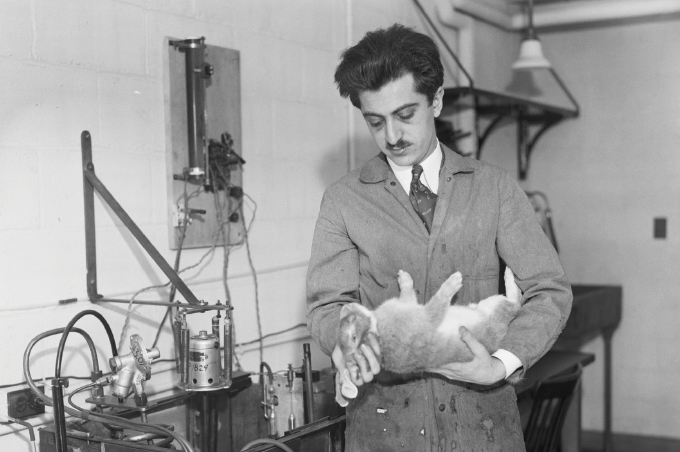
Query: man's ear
x=438 y=101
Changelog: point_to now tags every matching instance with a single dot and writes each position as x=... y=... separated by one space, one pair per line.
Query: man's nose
x=392 y=133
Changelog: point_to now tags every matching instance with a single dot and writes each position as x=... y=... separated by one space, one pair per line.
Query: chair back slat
x=551 y=401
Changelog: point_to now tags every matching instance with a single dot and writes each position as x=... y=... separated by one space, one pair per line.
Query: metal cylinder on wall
x=194 y=49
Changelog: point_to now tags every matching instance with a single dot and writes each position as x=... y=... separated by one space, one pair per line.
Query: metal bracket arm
x=526 y=142
x=490 y=128
x=91 y=183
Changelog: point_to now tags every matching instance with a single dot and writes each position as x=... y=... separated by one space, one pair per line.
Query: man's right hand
x=363 y=364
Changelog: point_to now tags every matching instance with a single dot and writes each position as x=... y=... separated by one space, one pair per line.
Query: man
x=375 y=221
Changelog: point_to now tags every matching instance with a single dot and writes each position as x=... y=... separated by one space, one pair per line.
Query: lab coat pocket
x=491 y=418
x=387 y=417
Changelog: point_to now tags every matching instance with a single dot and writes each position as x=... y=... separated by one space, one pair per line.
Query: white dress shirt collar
x=430 y=177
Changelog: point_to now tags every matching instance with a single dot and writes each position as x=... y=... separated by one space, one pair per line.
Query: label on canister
x=204 y=362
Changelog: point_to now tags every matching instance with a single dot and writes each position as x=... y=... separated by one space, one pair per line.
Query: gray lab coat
x=367 y=230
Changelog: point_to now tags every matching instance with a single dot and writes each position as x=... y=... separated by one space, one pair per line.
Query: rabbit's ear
x=354 y=308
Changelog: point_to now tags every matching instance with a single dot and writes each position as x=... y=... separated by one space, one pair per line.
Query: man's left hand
x=484 y=369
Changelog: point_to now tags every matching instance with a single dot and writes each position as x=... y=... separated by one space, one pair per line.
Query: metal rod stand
x=58 y=385
x=91 y=183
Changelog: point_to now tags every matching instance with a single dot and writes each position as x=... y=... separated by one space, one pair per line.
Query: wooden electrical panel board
x=222 y=115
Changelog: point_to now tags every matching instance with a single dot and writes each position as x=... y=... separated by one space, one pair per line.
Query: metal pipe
x=177 y=335
x=228 y=347
x=59 y=414
x=212 y=440
x=205 y=423
x=90 y=236
x=351 y=146
x=202 y=307
x=194 y=49
x=309 y=387
x=29 y=427
x=140 y=302
x=445 y=43
x=184 y=354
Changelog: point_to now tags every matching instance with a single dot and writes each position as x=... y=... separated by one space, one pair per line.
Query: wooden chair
x=551 y=399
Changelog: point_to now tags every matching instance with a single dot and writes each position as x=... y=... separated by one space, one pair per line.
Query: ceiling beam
x=569 y=13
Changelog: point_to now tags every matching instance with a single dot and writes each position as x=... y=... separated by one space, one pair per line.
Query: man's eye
x=406 y=116
x=375 y=124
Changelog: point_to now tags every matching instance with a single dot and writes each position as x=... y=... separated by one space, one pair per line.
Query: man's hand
x=363 y=364
x=484 y=369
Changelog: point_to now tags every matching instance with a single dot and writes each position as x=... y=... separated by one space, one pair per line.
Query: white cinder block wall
x=607 y=174
x=73 y=65
x=618 y=169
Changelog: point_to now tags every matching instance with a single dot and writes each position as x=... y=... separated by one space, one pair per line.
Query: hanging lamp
x=531 y=51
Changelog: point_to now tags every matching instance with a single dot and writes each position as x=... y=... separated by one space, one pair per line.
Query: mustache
x=398 y=145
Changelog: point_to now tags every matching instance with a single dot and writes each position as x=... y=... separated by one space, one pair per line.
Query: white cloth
x=348 y=390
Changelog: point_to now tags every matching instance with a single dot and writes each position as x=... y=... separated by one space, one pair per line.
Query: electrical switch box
x=21 y=403
x=660 y=228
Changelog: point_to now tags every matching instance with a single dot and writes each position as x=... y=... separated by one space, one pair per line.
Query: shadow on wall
x=336 y=161
x=333 y=164
x=133 y=246
x=365 y=149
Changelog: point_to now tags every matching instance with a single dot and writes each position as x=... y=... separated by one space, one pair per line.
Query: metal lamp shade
x=531 y=56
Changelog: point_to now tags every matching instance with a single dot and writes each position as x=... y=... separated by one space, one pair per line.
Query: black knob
x=208 y=70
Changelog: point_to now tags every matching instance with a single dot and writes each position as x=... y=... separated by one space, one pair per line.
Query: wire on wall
x=252 y=268
x=227 y=206
x=173 y=290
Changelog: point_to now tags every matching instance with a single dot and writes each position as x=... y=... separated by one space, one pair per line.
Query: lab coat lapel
x=453 y=166
x=378 y=170
x=393 y=186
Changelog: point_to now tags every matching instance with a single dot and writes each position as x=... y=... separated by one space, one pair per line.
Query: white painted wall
x=73 y=65
x=607 y=175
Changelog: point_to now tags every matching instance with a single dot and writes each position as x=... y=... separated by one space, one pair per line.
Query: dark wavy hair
x=386 y=54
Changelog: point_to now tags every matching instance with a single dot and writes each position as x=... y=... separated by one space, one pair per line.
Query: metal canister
x=204 y=360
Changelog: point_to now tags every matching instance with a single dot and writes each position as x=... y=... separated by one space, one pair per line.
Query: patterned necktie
x=422 y=199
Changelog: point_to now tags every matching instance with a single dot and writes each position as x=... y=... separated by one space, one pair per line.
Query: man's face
x=401 y=120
